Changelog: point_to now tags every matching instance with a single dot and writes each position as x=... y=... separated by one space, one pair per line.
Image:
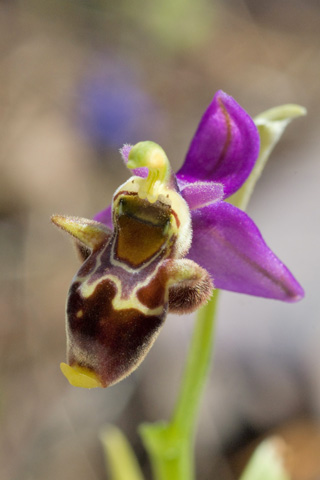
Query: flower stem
x=170 y=445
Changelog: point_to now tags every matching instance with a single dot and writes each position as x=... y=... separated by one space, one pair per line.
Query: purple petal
x=224 y=148
x=105 y=216
x=200 y=194
x=228 y=244
x=124 y=151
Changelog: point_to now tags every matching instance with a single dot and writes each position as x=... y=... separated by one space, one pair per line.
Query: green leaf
x=120 y=458
x=266 y=462
x=271 y=124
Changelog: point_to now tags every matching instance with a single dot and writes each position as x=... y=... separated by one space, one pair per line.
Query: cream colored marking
x=133 y=302
x=119 y=303
x=79 y=314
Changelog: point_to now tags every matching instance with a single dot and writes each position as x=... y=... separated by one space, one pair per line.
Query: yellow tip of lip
x=80 y=376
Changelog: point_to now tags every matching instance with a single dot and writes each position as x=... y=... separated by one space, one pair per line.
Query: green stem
x=170 y=445
x=197 y=367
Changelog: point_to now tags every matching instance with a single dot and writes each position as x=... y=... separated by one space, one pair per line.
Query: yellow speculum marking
x=80 y=376
x=138 y=242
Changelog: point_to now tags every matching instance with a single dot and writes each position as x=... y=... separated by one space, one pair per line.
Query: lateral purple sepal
x=224 y=148
x=105 y=217
x=227 y=243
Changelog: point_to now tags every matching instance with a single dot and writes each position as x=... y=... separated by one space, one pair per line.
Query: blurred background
x=78 y=79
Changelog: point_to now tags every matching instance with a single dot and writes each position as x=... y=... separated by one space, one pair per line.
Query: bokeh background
x=78 y=79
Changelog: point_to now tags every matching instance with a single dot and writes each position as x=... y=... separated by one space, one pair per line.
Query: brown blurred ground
x=267 y=359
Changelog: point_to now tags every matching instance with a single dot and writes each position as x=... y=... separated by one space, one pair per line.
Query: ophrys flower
x=161 y=244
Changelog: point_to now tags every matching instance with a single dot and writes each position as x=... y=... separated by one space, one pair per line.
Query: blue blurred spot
x=113 y=108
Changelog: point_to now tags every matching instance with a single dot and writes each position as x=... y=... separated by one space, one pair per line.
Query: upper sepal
x=224 y=148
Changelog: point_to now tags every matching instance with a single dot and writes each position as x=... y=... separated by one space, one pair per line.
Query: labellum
x=131 y=276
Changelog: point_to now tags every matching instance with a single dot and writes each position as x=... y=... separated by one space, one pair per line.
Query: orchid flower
x=163 y=244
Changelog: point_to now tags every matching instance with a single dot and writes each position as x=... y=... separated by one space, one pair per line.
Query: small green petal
x=266 y=462
x=120 y=458
x=271 y=125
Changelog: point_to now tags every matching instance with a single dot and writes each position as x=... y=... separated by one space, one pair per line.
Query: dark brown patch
x=153 y=294
x=116 y=340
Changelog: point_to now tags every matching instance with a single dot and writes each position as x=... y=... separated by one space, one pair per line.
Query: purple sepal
x=200 y=194
x=224 y=148
x=105 y=217
x=230 y=247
